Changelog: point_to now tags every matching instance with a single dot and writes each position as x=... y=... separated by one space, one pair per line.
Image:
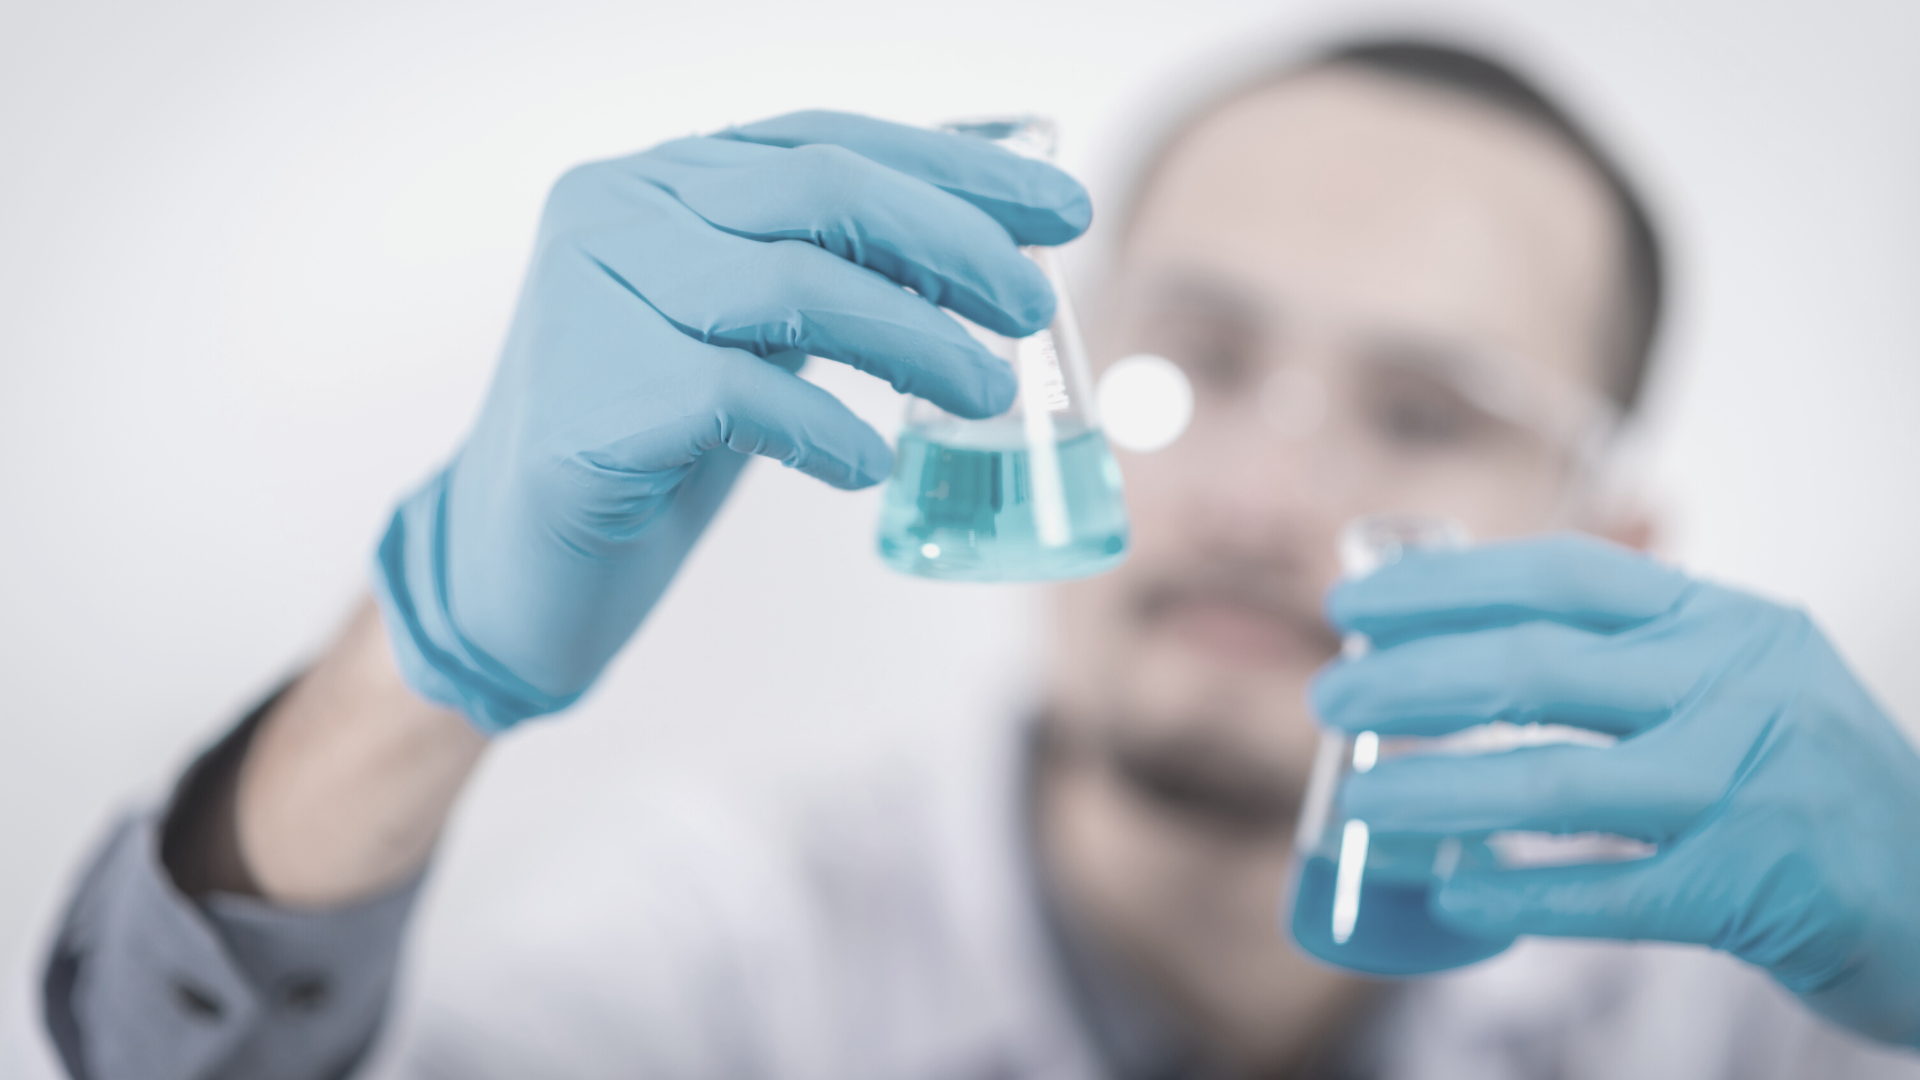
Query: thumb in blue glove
x=1784 y=804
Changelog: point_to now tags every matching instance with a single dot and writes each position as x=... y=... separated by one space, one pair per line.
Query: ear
x=1628 y=523
x=1611 y=501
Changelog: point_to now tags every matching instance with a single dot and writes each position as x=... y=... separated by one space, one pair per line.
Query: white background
x=255 y=260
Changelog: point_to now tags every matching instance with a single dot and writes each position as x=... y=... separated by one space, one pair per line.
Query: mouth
x=1208 y=785
x=1239 y=622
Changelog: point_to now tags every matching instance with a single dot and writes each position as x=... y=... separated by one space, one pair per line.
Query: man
x=1398 y=280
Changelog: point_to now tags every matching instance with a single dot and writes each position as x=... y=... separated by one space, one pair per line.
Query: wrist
x=349 y=779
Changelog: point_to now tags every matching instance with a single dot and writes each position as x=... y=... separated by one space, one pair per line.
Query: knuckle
x=790 y=286
x=808 y=117
x=725 y=397
x=1642 y=775
x=823 y=172
x=792 y=268
x=1692 y=797
x=576 y=183
x=1795 y=621
x=1326 y=692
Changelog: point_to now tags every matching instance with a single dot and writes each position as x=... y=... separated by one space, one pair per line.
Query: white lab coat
x=883 y=927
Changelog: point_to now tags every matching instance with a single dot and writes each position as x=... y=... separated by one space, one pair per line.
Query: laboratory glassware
x=1032 y=494
x=1361 y=899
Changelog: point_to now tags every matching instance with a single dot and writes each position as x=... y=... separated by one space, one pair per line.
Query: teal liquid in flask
x=1387 y=927
x=1032 y=494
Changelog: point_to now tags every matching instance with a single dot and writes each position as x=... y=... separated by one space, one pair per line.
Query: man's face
x=1387 y=298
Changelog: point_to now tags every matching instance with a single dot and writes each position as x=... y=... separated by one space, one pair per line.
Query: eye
x=1216 y=355
x=1414 y=412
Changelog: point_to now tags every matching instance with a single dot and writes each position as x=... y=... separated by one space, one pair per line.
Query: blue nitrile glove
x=1784 y=803
x=671 y=299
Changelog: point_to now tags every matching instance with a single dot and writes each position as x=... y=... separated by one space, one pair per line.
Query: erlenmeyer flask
x=1031 y=494
x=1361 y=898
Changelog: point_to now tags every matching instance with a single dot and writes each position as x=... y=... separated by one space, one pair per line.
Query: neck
x=1186 y=904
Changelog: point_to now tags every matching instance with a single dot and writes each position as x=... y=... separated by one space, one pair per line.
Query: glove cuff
x=410 y=584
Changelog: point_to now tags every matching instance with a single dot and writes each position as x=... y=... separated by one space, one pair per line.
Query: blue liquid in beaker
x=1395 y=933
x=970 y=513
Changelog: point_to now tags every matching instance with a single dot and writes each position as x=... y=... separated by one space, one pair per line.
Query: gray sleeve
x=143 y=982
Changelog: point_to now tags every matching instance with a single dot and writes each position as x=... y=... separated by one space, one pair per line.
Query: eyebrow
x=1208 y=294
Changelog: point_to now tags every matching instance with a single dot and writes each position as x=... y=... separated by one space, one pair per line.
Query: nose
x=1293 y=401
x=1260 y=476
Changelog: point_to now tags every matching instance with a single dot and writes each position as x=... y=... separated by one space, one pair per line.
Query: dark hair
x=1479 y=75
x=1643 y=281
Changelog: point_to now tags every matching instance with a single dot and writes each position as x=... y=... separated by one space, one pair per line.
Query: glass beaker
x=1032 y=494
x=1360 y=899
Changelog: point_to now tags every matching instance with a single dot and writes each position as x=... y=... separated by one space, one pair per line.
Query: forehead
x=1409 y=208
